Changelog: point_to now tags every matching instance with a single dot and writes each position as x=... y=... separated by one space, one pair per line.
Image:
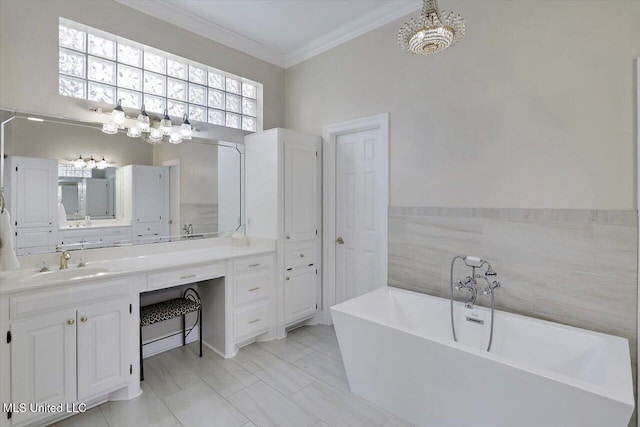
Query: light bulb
x=109 y=128
x=175 y=137
x=102 y=164
x=91 y=163
x=117 y=115
x=143 y=120
x=185 y=128
x=155 y=136
x=79 y=163
x=165 y=124
x=134 y=132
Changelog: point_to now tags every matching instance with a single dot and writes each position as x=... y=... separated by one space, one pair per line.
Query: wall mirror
x=69 y=185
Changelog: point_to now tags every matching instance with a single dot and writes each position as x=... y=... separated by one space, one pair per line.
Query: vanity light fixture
x=35 y=119
x=109 y=128
x=165 y=124
x=176 y=136
x=134 y=132
x=143 y=120
x=117 y=115
x=79 y=163
x=432 y=32
x=91 y=163
x=102 y=164
x=155 y=136
x=185 y=128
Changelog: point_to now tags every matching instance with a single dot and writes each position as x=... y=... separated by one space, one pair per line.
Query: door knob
x=340 y=241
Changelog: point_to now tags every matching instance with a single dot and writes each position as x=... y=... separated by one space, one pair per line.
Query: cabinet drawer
x=48 y=301
x=253 y=264
x=251 y=321
x=148 y=230
x=299 y=254
x=185 y=275
x=114 y=236
x=252 y=287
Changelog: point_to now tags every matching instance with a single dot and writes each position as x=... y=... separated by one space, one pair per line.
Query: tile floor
x=298 y=381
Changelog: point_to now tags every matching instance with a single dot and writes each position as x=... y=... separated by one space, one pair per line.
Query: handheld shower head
x=473 y=261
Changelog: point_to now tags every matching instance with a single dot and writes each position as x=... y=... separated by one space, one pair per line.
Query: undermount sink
x=69 y=274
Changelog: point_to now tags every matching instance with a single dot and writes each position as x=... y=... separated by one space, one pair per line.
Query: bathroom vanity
x=72 y=336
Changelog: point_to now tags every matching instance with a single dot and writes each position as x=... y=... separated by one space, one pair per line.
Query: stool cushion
x=165 y=310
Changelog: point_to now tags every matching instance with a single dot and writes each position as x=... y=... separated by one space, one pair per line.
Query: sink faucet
x=64 y=258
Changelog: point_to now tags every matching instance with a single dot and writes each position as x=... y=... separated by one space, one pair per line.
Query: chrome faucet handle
x=459 y=285
x=82 y=262
x=44 y=266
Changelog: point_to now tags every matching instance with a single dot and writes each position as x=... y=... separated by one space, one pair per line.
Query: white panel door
x=300 y=294
x=359 y=210
x=102 y=356
x=300 y=191
x=43 y=361
x=148 y=194
x=36 y=192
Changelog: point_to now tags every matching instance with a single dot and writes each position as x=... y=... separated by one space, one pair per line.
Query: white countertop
x=151 y=258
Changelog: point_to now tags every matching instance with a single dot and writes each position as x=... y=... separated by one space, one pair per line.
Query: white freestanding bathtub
x=399 y=353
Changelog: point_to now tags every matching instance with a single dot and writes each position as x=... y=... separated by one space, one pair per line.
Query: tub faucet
x=470 y=283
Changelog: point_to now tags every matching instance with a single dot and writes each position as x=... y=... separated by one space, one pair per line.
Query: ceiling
x=282 y=32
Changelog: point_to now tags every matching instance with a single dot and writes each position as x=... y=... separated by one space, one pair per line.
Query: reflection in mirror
x=60 y=195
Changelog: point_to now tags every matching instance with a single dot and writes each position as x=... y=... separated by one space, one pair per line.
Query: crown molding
x=369 y=21
x=171 y=13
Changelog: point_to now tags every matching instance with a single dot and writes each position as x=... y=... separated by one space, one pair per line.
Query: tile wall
x=576 y=267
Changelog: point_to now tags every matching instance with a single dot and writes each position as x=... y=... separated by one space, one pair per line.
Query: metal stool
x=165 y=310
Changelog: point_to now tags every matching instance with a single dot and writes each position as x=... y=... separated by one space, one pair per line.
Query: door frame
x=330 y=134
x=174 y=199
x=637 y=171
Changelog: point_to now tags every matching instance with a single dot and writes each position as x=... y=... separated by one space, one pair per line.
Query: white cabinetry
x=283 y=196
x=43 y=361
x=64 y=351
x=143 y=199
x=32 y=202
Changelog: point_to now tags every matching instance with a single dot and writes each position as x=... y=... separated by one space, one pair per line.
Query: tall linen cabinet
x=283 y=202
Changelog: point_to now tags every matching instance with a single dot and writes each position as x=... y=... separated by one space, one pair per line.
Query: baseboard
x=166 y=343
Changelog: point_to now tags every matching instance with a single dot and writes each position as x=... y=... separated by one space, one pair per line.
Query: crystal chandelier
x=432 y=32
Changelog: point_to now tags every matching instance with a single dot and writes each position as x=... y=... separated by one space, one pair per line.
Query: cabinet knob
x=340 y=241
x=70 y=322
x=301 y=255
x=83 y=319
x=288 y=237
x=287 y=278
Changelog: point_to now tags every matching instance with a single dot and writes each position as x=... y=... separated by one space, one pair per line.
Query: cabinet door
x=102 y=351
x=301 y=191
x=36 y=192
x=300 y=296
x=36 y=240
x=43 y=361
x=148 y=194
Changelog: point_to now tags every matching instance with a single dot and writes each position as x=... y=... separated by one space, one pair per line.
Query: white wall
x=29 y=56
x=533 y=109
x=198 y=169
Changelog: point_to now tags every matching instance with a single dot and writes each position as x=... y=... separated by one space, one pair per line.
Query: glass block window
x=102 y=67
x=69 y=170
